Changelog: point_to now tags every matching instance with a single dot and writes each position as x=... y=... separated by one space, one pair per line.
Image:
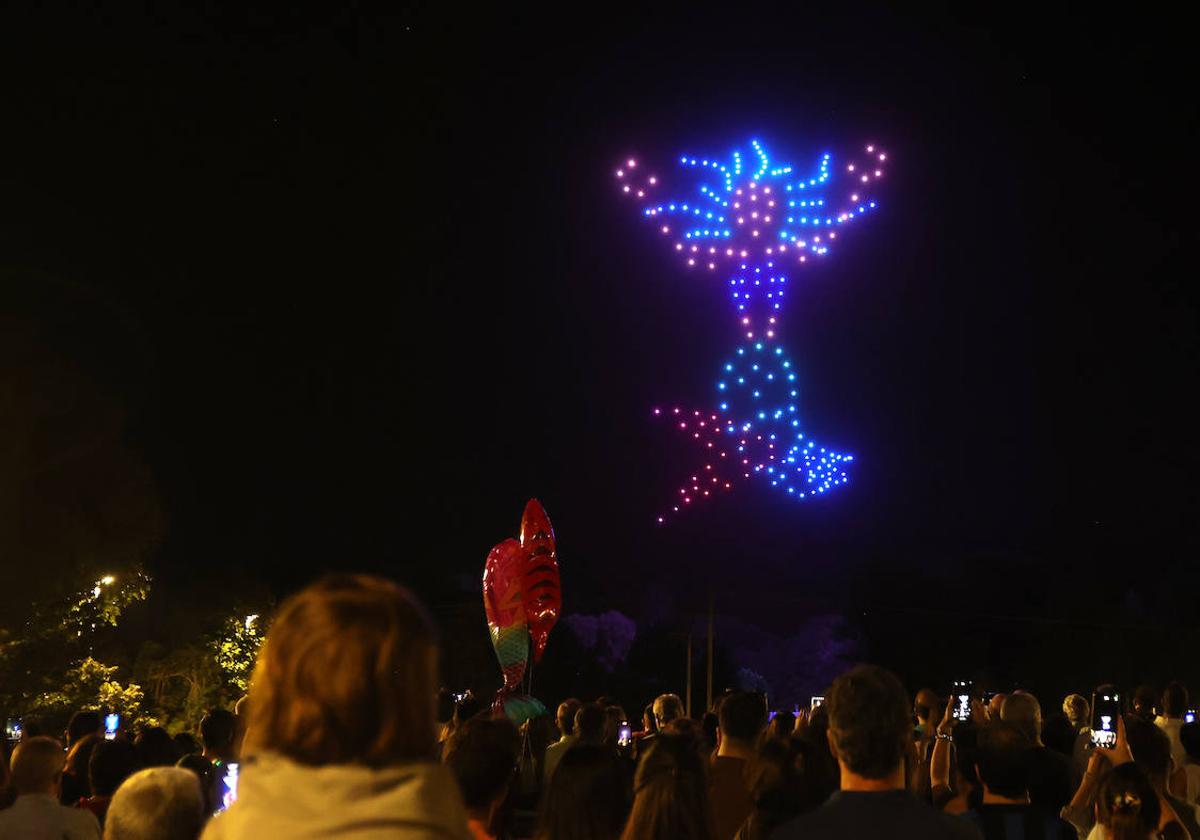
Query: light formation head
x=752 y=221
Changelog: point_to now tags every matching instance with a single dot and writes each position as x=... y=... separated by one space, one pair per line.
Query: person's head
x=588 y=797
x=1151 y=748
x=112 y=762
x=1144 y=699
x=1059 y=734
x=37 y=766
x=589 y=723
x=1189 y=737
x=743 y=717
x=156 y=748
x=186 y=743
x=82 y=724
x=1077 y=710
x=869 y=723
x=482 y=754
x=1022 y=709
x=566 y=716
x=218 y=729
x=159 y=803
x=667 y=707
x=1174 y=700
x=211 y=784
x=781 y=725
x=1127 y=805
x=926 y=705
x=995 y=705
x=649 y=724
x=79 y=755
x=670 y=799
x=347 y=674
x=1002 y=759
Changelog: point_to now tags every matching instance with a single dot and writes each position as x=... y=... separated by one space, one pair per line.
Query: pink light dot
x=712 y=266
x=695 y=248
x=657 y=412
x=729 y=252
x=878 y=173
x=770 y=334
x=712 y=250
x=754 y=233
x=854 y=197
x=678 y=246
x=691 y=262
x=641 y=194
x=803 y=258
x=741 y=220
x=754 y=215
x=653 y=181
x=666 y=229
x=766 y=189
x=744 y=253
x=766 y=218
x=631 y=163
x=883 y=157
x=620 y=173
x=850 y=168
x=660 y=519
x=753 y=197
x=864 y=179
x=677 y=510
x=745 y=320
x=770 y=203
x=626 y=188
x=677 y=411
x=737 y=192
x=870 y=148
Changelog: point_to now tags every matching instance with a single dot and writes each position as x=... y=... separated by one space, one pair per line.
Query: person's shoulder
x=80 y=822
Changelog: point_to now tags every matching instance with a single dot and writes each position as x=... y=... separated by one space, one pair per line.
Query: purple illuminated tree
x=752 y=222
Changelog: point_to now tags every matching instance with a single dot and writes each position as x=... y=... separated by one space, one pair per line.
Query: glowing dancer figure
x=753 y=222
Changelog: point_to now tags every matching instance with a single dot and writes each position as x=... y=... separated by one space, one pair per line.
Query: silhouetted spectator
x=112 y=762
x=482 y=755
x=1003 y=752
x=589 y=724
x=1174 y=707
x=1151 y=751
x=670 y=801
x=870 y=730
x=37 y=765
x=1144 y=699
x=667 y=707
x=1051 y=774
x=743 y=718
x=159 y=803
x=186 y=744
x=341 y=728
x=156 y=748
x=566 y=727
x=1188 y=776
x=75 y=775
x=82 y=724
x=588 y=797
x=211 y=784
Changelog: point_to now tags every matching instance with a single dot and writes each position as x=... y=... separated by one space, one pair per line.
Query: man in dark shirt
x=1051 y=774
x=1002 y=761
x=869 y=731
x=742 y=719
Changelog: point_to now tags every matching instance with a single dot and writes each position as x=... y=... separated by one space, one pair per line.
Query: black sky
x=376 y=290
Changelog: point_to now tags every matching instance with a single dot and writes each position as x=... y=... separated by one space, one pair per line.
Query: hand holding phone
x=624 y=734
x=962 y=693
x=1106 y=718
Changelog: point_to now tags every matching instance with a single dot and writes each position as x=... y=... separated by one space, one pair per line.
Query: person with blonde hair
x=341 y=731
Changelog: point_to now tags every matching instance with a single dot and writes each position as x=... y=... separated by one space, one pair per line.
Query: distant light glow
x=757 y=430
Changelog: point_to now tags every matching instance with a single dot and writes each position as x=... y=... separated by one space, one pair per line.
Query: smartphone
x=12 y=730
x=624 y=734
x=963 y=691
x=816 y=701
x=230 y=781
x=111 y=724
x=1106 y=711
x=1189 y=716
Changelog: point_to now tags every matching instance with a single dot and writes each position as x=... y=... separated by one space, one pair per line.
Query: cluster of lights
x=757 y=221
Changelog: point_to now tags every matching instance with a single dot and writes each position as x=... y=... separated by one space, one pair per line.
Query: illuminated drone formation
x=754 y=222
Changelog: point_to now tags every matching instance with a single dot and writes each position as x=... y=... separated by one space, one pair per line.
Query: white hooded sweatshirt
x=278 y=798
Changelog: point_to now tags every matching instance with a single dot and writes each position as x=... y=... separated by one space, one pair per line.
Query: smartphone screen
x=230 y=780
x=12 y=729
x=111 y=724
x=816 y=701
x=1106 y=711
x=963 y=690
x=624 y=734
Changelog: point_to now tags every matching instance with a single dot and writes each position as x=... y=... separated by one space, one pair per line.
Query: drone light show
x=749 y=223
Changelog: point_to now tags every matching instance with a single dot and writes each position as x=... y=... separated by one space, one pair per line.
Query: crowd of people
x=344 y=733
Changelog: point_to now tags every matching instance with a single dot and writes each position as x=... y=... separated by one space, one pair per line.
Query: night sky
x=365 y=284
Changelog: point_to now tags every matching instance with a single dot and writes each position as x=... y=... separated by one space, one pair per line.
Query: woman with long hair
x=670 y=793
x=1127 y=806
x=342 y=727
